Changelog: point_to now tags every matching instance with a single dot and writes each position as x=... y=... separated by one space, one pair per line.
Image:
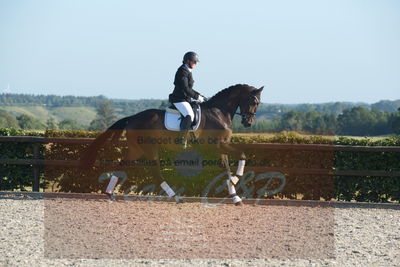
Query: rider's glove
x=200 y=98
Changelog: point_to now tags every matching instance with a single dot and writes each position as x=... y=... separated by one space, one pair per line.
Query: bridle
x=246 y=115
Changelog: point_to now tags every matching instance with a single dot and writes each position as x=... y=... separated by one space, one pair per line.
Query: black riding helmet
x=192 y=56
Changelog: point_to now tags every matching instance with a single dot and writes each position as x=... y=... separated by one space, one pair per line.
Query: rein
x=249 y=113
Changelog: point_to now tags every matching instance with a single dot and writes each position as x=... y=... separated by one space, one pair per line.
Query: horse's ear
x=260 y=90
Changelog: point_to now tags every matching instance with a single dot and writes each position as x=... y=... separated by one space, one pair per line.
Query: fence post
x=36 y=168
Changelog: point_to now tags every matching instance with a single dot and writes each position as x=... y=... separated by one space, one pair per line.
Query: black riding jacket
x=183 y=90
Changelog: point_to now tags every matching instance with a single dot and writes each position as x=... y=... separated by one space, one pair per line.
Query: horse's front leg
x=232 y=180
x=228 y=149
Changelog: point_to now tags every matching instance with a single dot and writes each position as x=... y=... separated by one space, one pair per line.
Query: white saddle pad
x=172 y=120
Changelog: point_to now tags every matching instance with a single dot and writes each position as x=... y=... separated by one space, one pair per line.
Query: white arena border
x=19 y=195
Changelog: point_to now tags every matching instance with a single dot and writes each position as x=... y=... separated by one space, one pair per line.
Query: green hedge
x=209 y=180
x=17 y=177
x=374 y=189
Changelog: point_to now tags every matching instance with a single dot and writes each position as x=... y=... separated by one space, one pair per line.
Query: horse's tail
x=114 y=132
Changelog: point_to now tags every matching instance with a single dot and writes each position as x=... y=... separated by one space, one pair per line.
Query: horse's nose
x=246 y=123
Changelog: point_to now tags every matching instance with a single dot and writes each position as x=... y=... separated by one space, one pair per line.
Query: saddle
x=173 y=117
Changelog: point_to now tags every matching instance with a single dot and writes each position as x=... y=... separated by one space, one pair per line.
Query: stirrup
x=183 y=138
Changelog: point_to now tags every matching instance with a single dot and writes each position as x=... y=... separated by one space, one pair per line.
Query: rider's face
x=192 y=64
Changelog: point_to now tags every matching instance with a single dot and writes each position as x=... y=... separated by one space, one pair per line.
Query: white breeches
x=185 y=109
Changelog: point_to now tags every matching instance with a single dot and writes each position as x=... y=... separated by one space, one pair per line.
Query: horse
x=216 y=124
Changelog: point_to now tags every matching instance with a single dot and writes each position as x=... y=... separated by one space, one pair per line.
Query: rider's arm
x=196 y=92
x=184 y=84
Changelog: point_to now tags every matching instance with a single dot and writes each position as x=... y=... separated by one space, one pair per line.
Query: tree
x=362 y=122
x=311 y=121
x=68 y=124
x=355 y=121
x=7 y=120
x=51 y=124
x=104 y=118
x=396 y=122
x=382 y=123
x=27 y=122
x=292 y=120
x=164 y=104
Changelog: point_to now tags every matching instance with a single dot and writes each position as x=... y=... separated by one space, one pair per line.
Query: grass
x=272 y=134
x=38 y=112
x=82 y=115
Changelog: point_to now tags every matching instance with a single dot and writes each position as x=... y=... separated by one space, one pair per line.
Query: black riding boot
x=185 y=126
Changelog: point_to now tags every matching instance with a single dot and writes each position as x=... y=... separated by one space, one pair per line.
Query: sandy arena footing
x=87 y=231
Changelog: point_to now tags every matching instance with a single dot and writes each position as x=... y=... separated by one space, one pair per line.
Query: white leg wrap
x=232 y=192
x=234 y=179
x=231 y=187
x=236 y=199
x=111 y=184
x=240 y=169
x=167 y=189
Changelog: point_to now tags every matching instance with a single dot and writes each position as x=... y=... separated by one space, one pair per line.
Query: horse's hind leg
x=134 y=153
x=152 y=154
x=114 y=178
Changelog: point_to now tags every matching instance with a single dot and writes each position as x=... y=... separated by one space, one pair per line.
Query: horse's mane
x=225 y=93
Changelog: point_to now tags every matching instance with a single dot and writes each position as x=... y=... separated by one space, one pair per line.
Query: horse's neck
x=231 y=107
x=228 y=107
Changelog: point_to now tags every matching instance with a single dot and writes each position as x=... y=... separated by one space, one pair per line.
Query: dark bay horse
x=216 y=123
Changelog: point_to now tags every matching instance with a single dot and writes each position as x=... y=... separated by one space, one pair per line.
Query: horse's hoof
x=111 y=197
x=237 y=200
x=179 y=200
x=240 y=203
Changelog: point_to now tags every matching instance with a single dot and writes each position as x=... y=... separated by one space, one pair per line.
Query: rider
x=183 y=93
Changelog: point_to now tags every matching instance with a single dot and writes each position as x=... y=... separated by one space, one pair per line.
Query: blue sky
x=307 y=51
